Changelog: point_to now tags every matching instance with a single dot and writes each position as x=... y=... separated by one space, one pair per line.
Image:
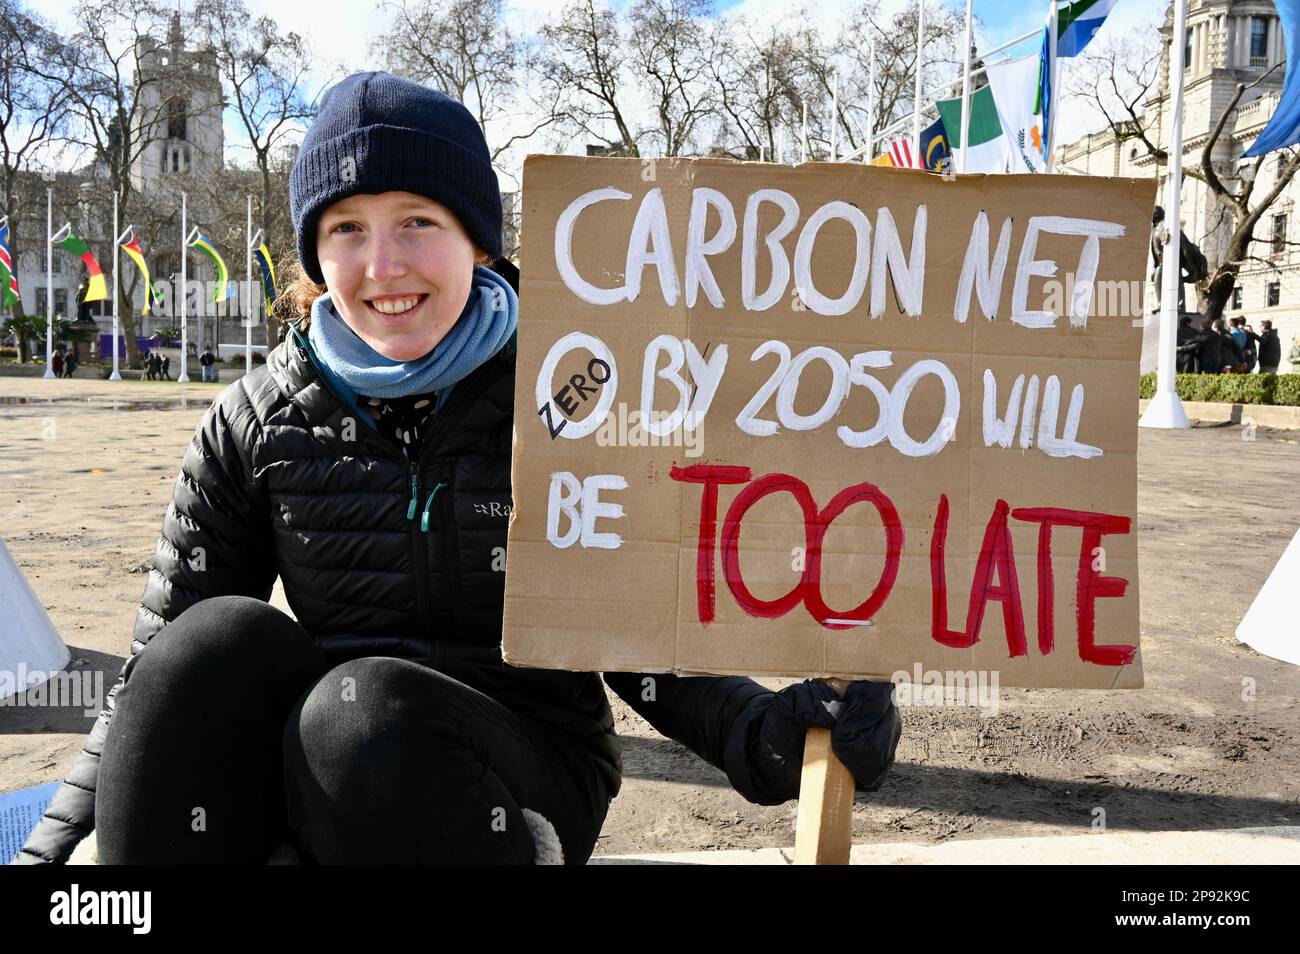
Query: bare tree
x=264 y=72
x=1115 y=78
x=583 y=66
x=765 y=81
x=896 y=59
x=464 y=49
x=1243 y=208
x=33 y=115
x=755 y=77
x=671 y=47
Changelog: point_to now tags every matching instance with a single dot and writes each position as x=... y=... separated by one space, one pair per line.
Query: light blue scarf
x=490 y=317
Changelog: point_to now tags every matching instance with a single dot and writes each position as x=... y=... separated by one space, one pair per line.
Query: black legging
x=231 y=730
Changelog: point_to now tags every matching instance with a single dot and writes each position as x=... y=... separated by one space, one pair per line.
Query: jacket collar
x=478 y=403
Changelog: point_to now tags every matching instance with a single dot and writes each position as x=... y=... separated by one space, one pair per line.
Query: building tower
x=180 y=98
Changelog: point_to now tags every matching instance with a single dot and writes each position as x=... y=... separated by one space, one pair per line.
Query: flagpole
x=871 y=105
x=835 y=106
x=965 y=91
x=1166 y=409
x=49 y=284
x=248 y=288
x=916 y=103
x=184 y=376
x=116 y=375
x=803 y=149
x=1054 y=95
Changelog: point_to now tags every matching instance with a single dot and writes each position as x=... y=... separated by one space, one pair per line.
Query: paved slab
x=1254 y=846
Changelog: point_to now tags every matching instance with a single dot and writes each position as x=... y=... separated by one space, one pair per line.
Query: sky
x=341 y=31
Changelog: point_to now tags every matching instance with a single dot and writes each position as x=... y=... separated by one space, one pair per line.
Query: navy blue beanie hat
x=375 y=133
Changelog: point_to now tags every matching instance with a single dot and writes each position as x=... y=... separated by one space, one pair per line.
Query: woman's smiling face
x=399 y=268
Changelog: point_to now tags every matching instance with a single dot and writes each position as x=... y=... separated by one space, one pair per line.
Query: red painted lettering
x=1091 y=585
x=710 y=475
x=893 y=554
x=996 y=553
x=767 y=484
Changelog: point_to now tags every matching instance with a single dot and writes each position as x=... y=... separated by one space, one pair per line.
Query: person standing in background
x=1270 y=348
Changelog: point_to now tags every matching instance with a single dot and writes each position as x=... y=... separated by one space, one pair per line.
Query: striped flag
x=9 y=294
x=263 y=256
x=903 y=155
x=96 y=290
x=132 y=248
x=224 y=290
x=1077 y=23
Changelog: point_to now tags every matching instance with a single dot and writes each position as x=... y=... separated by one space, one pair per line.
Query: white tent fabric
x=29 y=644
x=1269 y=626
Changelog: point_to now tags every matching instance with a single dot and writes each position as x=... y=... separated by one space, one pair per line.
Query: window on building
x=1273 y=294
x=40 y=301
x=176 y=160
x=1236 y=298
x=58 y=262
x=176 y=110
x=61 y=304
x=1187 y=53
x=1258 y=38
x=1279 y=233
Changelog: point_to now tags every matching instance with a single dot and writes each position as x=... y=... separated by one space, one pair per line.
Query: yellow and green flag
x=224 y=290
x=96 y=290
x=263 y=256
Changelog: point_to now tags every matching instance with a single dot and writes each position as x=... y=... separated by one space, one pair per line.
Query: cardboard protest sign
x=826 y=420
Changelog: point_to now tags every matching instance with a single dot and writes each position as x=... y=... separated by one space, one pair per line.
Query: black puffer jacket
x=378 y=556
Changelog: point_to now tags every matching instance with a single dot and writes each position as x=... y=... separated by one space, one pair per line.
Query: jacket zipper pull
x=424 y=518
x=415 y=495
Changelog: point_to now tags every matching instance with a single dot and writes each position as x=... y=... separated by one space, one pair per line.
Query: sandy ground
x=1193 y=750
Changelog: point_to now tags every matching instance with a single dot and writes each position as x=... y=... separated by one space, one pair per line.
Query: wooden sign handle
x=824 y=825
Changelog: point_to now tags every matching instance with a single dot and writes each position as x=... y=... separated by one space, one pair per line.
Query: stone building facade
x=1228 y=42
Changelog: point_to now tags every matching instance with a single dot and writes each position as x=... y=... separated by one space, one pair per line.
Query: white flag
x=1015 y=90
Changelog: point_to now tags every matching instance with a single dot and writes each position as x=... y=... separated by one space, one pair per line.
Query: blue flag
x=1284 y=128
x=935 y=154
x=1078 y=23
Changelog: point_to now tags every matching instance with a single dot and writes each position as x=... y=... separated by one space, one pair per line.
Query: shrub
x=1230 y=388
x=1244 y=388
x=1287 y=390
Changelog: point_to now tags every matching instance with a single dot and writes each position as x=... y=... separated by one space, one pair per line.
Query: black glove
x=764 y=750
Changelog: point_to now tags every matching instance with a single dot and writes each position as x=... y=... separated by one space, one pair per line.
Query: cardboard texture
x=824 y=554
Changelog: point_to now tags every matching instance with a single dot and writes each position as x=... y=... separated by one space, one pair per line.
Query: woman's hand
x=764 y=749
